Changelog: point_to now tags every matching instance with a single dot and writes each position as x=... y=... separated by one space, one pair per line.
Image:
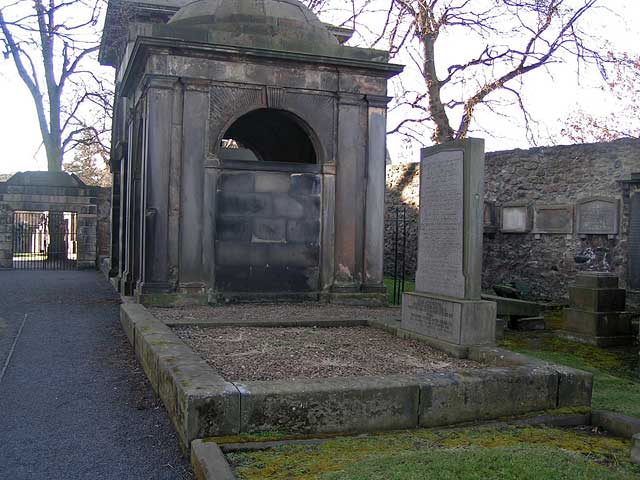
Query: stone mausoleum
x=248 y=153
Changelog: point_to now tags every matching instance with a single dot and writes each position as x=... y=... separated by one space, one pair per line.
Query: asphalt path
x=74 y=404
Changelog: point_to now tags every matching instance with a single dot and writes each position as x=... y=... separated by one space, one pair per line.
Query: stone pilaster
x=192 y=192
x=156 y=173
x=373 y=280
x=350 y=193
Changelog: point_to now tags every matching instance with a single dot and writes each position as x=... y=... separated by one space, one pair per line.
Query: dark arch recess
x=273 y=136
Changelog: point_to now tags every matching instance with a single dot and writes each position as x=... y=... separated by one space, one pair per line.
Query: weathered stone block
x=459 y=322
x=233 y=228
x=294 y=255
x=596 y=280
x=269 y=230
x=595 y=323
x=232 y=278
x=357 y=404
x=303 y=231
x=305 y=184
x=598 y=299
x=242 y=253
x=272 y=182
x=237 y=182
x=452 y=398
x=256 y=204
x=574 y=387
x=283 y=279
x=288 y=207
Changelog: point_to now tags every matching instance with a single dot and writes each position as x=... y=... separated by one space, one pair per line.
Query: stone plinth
x=596 y=315
x=446 y=306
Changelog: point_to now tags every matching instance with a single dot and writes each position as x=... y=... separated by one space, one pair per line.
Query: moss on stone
x=303 y=462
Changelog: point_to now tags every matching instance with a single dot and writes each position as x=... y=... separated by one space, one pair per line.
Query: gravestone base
x=596 y=315
x=594 y=340
x=452 y=321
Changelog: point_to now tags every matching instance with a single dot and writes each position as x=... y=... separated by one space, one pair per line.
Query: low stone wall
x=544 y=263
x=202 y=404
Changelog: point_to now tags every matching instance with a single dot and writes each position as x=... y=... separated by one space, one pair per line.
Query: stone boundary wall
x=543 y=263
x=103 y=235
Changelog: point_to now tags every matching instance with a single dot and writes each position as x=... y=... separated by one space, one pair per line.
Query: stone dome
x=267 y=24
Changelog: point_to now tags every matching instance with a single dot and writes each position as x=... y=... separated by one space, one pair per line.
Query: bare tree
x=49 y=42
x=507 y=40
x=623 y=86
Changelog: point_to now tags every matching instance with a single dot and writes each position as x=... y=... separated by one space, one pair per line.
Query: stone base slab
x=596 y=341
x=202 y=404
x=454 y=321
x=595 y=324
x=598 y=299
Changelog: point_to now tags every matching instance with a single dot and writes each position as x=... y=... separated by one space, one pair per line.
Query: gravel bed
x=287 y=353
x=269 y=312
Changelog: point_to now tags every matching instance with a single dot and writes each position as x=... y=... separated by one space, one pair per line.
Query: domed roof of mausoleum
x=265 y=24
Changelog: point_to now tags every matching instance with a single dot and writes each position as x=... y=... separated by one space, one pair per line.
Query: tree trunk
x=443 y=132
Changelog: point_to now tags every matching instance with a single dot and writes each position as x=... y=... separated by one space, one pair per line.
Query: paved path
x=74 y=403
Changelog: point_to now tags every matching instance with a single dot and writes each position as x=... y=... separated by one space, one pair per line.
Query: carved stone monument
x=553 y=219
x=596 y=315
x=598 y=216
x=446 y=308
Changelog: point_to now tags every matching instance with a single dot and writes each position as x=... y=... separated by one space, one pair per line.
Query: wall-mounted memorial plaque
x=598 y=216
x=515 y=218
x=553 y=219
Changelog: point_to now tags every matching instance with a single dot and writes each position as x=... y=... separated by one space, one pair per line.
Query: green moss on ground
x=616 y=382
x=511 y=452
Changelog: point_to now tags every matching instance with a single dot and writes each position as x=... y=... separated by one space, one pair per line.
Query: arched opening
x=268 y=135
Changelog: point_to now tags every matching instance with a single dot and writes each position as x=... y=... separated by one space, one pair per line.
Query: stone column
x=349 y=194
x=156 y=172
x=374 y=211
x=193 y=276
x=446 y=308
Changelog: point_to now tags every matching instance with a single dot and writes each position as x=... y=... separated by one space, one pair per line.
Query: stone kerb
x=447 y=305
x=202 y=404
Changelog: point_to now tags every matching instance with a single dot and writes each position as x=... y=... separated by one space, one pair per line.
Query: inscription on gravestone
x=441 y=241
x=553 y=219
x=598 y=216
x=440 y=319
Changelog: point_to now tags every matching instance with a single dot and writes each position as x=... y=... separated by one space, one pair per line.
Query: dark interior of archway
x=272 y=136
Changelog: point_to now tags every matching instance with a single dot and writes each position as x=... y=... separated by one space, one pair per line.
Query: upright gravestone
x=446 y=307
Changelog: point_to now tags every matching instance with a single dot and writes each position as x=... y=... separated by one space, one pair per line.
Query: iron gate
x=45 y=240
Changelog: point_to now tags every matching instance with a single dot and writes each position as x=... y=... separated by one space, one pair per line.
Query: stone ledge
x=616 y=423
x=199 y=402
x=202 y=404
x=209 y=463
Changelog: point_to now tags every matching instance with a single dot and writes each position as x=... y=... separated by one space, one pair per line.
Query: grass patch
x=408 y=287
x=616 y=386
x=512 y=452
